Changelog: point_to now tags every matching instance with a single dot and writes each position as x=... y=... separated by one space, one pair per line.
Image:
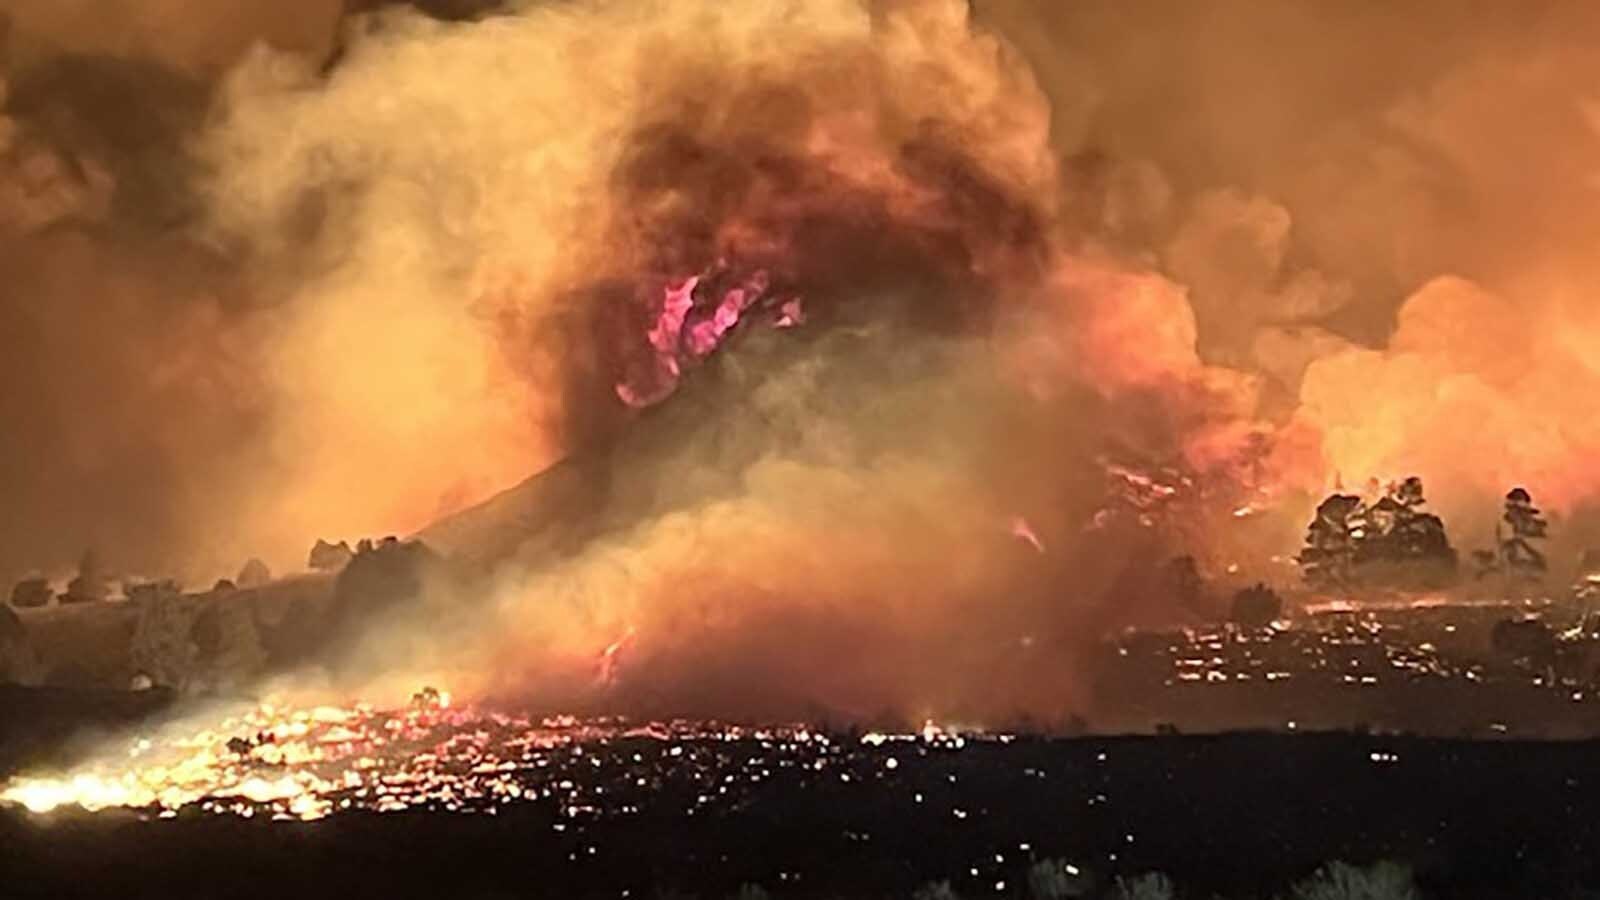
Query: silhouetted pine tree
x=1417 y=535
x=1525 y=524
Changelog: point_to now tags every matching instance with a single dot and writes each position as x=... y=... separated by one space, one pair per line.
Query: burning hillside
x=813 y=357
x=873 y=358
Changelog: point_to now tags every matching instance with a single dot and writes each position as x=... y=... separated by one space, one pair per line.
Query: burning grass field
x=362 y=801
x=305 y=763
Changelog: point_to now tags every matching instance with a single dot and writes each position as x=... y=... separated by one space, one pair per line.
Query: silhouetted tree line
x=221 y=640
x=1396 y=542
x=1391 y=541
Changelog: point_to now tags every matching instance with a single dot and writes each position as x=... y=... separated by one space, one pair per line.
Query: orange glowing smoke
x=1474 y=390
x=382 y=264
x=438 y=297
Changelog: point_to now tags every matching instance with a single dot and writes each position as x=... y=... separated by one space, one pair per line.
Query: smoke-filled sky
x=271 y=272
x=1402 y=195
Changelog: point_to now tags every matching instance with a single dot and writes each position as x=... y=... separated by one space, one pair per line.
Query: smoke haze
x=278 y=275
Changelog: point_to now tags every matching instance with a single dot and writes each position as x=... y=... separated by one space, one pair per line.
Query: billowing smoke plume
x=988 y=268
x=153 y=375
x=131 y=380
x=1385 y=211
x=820 y=514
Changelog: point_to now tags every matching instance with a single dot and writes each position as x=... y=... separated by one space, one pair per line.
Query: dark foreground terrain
x=43 y=725
x=1231 y=816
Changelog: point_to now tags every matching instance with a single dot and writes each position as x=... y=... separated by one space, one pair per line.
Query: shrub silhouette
x=1256 y=607
x=1150 y=886
x=1053 y=879
x=936 y=890
x=1342 y=881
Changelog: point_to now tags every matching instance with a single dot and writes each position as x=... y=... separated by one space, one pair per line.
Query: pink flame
x=790 y=314
x=675 y=306
x=684 y=330
x=1021 y=530
x=606 y=669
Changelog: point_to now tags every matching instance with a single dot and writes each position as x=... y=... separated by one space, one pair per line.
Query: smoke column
x=815 y=517
x=362 y=272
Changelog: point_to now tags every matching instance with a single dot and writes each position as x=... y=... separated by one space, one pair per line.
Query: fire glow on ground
x=307 y=763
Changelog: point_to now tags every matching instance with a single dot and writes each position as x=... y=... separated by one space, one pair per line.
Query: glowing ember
x=790 y=314
x=1021 y=530
x=607 y=669
x=308 y=763
x=1144 y=497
